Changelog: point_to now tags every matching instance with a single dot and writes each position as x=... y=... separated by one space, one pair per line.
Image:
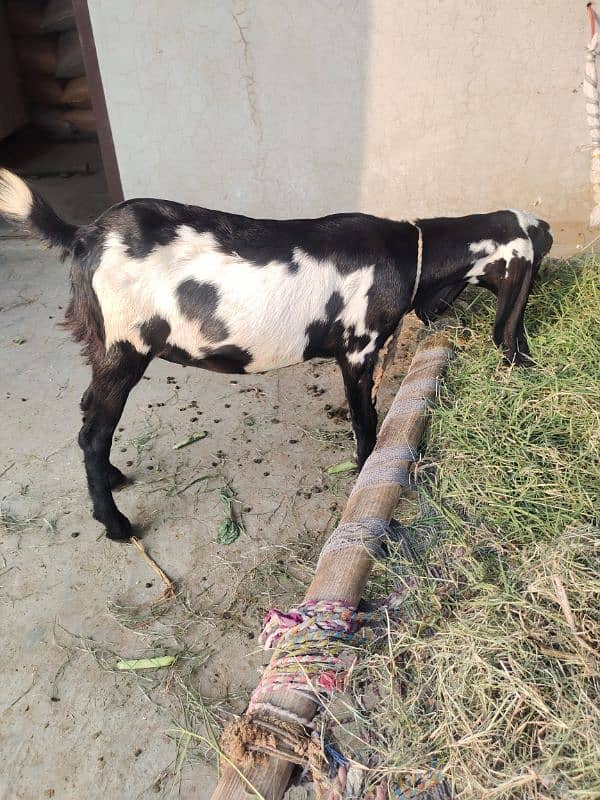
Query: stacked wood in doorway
x=51 y=67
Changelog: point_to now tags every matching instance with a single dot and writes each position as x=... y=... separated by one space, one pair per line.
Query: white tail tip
x=16 y=199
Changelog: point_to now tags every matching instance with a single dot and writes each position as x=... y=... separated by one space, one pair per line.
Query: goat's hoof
x=120 y=530
x=519 y=360
x=116 y=479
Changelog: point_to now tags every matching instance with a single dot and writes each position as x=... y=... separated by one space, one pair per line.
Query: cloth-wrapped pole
x=262 y=747
x=592 y=107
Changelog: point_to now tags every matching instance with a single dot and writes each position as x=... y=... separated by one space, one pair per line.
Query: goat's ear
x=431 y=307
x=541 y=239
x=512 y=290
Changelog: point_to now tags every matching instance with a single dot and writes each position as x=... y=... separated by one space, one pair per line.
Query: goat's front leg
x=358 y=382
x=103 y=404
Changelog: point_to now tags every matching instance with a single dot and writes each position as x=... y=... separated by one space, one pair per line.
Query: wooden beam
x=343 y=577
x=92 y=71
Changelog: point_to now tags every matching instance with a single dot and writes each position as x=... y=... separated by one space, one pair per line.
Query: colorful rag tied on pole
x=309 y=642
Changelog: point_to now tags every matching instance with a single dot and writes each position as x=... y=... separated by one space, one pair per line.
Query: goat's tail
x=25 y=207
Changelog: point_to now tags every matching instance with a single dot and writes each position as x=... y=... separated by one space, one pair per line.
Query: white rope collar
x=419 y=259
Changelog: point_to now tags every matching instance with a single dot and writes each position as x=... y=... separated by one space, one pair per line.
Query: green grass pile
x=492 y=679
x=519 y=448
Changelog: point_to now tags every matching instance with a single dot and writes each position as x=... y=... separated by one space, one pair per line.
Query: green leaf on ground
x=193 y=437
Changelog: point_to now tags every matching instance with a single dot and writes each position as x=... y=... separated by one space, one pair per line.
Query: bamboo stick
x=344 y=576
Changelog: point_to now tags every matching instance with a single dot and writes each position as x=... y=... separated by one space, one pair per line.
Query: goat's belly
x=242 y=351
x=233 y=361
x=265 y=364
x=228 y=359
x=275 y=357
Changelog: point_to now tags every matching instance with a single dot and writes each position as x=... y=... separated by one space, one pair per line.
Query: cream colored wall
x=303 y=107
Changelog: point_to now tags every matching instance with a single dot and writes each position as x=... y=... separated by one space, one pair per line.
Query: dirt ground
x=70 y=725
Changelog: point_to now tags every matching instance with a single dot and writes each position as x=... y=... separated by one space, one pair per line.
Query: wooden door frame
x=105 y=137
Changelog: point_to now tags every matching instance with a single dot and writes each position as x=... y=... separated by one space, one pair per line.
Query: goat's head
x=510 y=280
x=511 y=285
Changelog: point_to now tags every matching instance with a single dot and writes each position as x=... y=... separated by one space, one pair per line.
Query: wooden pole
x=343 y=576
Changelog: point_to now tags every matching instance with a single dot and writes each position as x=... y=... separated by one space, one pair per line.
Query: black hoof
x=519 y=360
x=120 y=530
x=116 y=479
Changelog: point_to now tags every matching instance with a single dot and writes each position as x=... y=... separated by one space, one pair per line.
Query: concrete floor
x=70 y=726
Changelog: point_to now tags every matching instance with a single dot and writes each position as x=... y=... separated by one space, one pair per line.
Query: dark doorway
x=54 y=128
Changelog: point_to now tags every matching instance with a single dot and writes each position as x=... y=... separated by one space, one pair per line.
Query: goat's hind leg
x=116 y=479
x=103 y=403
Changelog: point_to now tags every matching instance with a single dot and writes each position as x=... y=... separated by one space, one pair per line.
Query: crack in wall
x=248 y=74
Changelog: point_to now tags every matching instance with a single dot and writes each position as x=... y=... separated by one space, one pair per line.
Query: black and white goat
x=157 y=279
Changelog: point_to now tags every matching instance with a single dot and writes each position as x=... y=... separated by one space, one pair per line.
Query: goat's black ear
x=430 y=308
x=542 y=241
x=512 y=290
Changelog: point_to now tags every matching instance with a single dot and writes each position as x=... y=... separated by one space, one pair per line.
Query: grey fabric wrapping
x=417 y=389
x=386 y=465
x=434 y=354
x=370 y=532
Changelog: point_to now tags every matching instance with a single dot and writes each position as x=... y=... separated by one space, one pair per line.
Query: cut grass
x=486 y=677
x=491 y=675
x=331 y=438
x=12 y=522
x=142 y=443
x=519 y=448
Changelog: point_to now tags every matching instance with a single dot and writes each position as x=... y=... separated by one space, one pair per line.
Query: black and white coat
x=158 y=279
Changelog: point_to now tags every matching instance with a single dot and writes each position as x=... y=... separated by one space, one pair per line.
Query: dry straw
x=492 y=674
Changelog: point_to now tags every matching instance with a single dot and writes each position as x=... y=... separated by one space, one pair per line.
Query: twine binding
x=419 y=260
